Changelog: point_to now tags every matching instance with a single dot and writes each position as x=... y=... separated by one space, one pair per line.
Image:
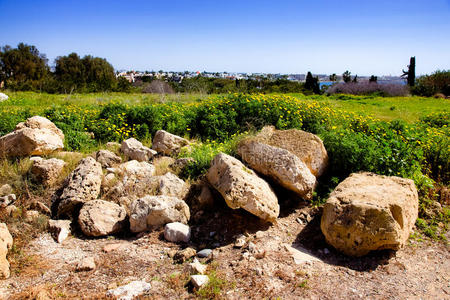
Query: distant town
x=133 y=76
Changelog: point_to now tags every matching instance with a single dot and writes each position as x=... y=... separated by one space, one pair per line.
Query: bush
x=368 y=88
x=429 y=85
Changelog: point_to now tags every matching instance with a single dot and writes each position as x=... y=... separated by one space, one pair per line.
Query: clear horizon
x=288 y=37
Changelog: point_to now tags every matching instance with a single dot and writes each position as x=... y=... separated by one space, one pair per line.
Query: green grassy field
x=409 y=109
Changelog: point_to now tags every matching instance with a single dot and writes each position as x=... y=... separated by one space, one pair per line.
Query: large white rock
x=167 y=143
x=280 y=165
x=370 y=212
x=130 y=291
x=6 y=242
x=134 y=149
x=82 y=185
x=177 y=232
x=242 y=188
x=35 y=136
x=47 y=171
x=135 y=180
x=172 y=185
x=101 y=218
x=154 y=211
x=306 y=146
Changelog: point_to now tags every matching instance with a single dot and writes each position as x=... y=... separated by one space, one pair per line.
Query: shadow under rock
x=313 y=240
x=220 y=225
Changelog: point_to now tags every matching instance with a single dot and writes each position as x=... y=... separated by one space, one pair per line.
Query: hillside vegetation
x=406 y=137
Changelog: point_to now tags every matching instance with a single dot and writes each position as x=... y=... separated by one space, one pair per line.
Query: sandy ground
x=288 y=260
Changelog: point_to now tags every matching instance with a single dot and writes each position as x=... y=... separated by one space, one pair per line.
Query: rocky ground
x=248 y=237
x=270 y=262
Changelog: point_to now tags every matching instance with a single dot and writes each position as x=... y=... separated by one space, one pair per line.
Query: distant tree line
x=25 y=68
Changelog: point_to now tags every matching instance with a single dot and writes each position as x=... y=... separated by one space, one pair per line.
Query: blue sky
x=365 y=37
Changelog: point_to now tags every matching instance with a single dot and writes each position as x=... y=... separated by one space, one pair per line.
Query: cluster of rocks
x=135 y=199
x=365 y=212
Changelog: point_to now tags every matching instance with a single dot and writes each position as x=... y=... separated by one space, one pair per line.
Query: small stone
x=259 y=234
x=134 y=149
x=59 y=229
x=259 y=271
x=107 y=159
x=31 y=215
x=87 y=264
x=130 y=291
x=246 y=255
x=181 y=163
x=41 y=207
x=5 y=189
x=240 y=241
x=112 y=145
x=11 y=209
x=251 y=247
x=171 y=253
x=196 y=267
x=7 y=200
x=177 y=232
x=167 y=143
x=199 y=280
x=112 y=247
x=204 y=253
x=185 y=254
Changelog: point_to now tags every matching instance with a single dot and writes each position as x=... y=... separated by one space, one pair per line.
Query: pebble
x=204 y=253
x=87 y=264
x=184 y=254
x=240 y=241
x=199 y=280
x=130 y=291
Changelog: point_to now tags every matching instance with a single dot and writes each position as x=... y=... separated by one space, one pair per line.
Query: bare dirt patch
x=264 y=267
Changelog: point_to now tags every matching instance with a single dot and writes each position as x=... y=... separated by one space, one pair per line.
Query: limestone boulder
x=6 y=242
x=133 y=180
x=280 y=165
x=242 y=188
x=134 y=150
x=82 y=185
x=306 y=146
x=101 y=218
x=35 y=136
x=370 y=212
x=167 y=143
x=107 y=158
x=172 y=185
x=154 y=211
x=47 y=171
